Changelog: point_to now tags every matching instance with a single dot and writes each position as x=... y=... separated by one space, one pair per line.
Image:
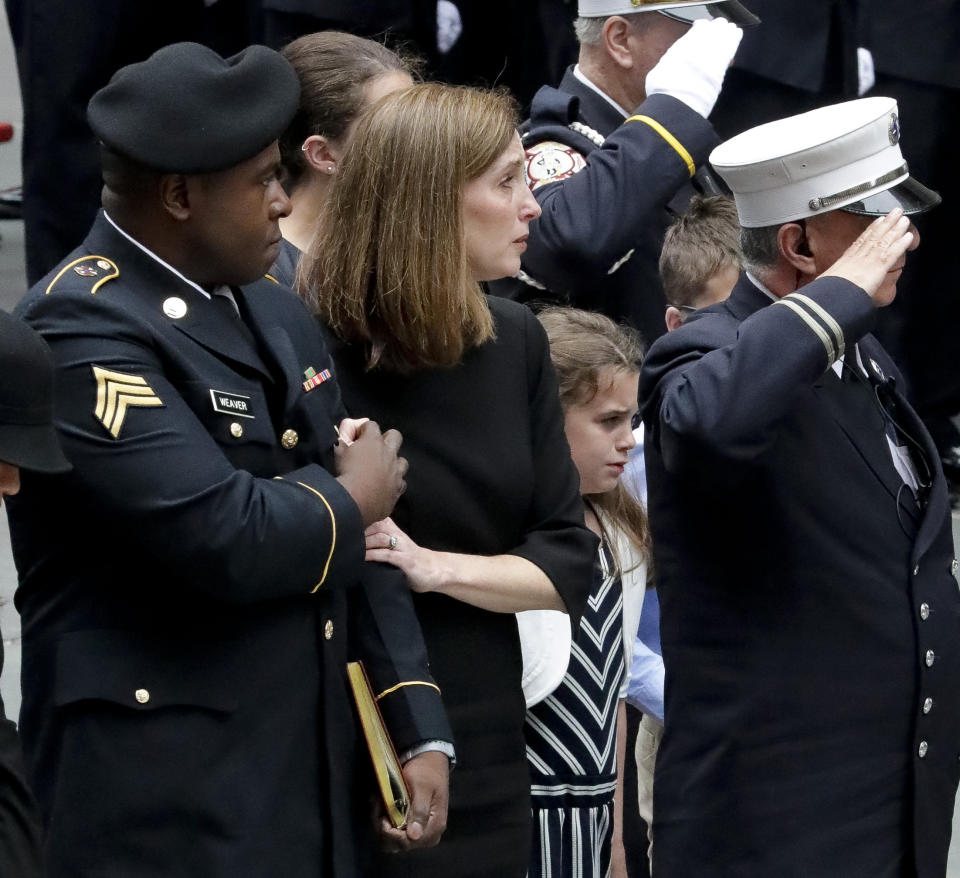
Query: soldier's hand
x=877 y=253
x=692 y=69
x=371 y=470
x=428 y=779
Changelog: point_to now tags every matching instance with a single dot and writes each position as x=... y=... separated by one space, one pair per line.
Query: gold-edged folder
x=383 y=756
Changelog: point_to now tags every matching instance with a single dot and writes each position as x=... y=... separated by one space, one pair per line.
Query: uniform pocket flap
x=136 y=672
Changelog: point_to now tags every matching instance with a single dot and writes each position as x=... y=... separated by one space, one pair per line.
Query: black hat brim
x=32 y=447
x=730 y=10
x=910 y=195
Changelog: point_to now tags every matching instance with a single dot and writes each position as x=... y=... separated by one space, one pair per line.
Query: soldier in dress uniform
x=191 y=591
x=612 y=152
x=801 y=531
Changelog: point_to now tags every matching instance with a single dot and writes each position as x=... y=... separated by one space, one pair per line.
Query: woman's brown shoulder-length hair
x=388 y=268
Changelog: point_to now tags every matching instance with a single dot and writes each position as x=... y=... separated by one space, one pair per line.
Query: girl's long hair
x=584 y=345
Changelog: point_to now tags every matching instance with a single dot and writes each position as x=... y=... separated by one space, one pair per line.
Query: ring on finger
x=394 y=541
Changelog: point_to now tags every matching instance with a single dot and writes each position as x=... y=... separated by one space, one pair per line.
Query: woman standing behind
x=431 y=202
x=340 y=76
x=576 y=736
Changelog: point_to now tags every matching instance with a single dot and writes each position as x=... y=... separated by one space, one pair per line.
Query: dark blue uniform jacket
x=810 y=611
x=598 y=241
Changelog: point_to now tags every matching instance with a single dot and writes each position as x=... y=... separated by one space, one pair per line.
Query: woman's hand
x=388 y=544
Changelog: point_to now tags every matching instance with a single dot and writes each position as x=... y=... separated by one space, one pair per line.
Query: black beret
x=187 y=110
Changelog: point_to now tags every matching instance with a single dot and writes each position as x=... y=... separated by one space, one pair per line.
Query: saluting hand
x=879 y=251
x=369 y=468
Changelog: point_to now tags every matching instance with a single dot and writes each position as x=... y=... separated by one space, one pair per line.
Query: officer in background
x=65 y=52
x=27 y=441
x=803 y=57
x=915 y=57
x=184 y=590
x=801 y=531
x=616 y=146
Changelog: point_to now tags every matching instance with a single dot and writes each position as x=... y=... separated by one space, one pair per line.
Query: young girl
x=576 y=735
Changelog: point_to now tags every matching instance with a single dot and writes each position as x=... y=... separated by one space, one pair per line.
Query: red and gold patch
x=550 y=162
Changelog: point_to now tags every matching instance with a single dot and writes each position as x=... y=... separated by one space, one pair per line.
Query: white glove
x=449 y=25
x=866 y=75
x=692 y=69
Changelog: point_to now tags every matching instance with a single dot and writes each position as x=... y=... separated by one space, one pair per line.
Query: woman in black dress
x=430 y=202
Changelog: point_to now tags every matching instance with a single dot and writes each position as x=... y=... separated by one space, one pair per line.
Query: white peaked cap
x=840 y=156
x=685 y=10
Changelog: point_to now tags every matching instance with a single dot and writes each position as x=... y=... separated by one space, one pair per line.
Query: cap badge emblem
x=85 y=270
x=894 y=130
x=102 y=263
x=174 y=307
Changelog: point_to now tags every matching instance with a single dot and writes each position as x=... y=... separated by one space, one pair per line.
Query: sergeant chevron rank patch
x=116 y=392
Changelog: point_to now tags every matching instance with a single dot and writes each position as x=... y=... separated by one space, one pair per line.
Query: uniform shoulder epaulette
x=97 y=269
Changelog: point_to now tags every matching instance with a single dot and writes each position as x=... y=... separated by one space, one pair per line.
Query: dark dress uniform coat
x=184 y=591
x=810 y=611
x=605 y=185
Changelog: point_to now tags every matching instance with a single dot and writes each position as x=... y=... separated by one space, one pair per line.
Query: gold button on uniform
x=289 y=439
x=142 y=696
x=236 y=430
x=328 y=630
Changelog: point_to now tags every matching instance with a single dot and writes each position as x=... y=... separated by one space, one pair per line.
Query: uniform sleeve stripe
x=393 y=689
x=826 y=318
x=333 y=534
x=667 y=136
x=821 y=333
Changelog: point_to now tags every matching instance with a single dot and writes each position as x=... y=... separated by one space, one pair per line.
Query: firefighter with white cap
x=801 y=531
x=612 y=152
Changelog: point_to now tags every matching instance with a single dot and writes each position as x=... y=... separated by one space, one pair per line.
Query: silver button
x=142 y=696
x=916 y=570
x=927 y=705
x=922 y=749
x=930 y=657
x=289 y=439
x=236 y=430
x=328 y=630
x=954 y=566
x=924 y=611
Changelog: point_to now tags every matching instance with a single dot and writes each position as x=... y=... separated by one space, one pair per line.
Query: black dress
x=490 y=473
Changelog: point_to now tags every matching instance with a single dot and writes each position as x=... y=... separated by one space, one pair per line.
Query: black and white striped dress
x=572 y=743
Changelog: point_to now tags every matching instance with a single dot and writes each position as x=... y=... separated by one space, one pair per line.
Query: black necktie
x=231 y=315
